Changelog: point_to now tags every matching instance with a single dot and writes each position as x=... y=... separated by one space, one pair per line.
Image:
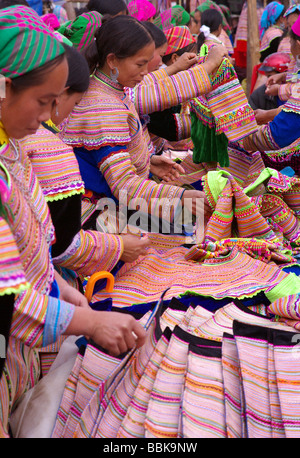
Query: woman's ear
x=5 y=87
x=111 y=60
x=174 y=58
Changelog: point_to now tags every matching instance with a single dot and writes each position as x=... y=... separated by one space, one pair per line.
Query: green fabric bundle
x=208 y=146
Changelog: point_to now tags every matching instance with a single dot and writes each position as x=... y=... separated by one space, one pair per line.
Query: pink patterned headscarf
x=143 y=10
x=51 y=20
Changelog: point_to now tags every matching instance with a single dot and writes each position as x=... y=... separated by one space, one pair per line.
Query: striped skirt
x=231 y=372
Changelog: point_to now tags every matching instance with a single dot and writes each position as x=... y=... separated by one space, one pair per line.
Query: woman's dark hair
x=37 y=76
x=111 y=7
x=79 y=73
x=189 y=48
x=212 y=19
x=7 y=3
x=122 y=36
x=157 y=34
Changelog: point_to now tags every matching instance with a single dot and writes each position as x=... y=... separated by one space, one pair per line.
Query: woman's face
x=295 y=47
x=23 y=111
x=194 y=27
x=65 y=105
x=132 y=69
x=156 y=62
x=197 y=17
x=291 y=19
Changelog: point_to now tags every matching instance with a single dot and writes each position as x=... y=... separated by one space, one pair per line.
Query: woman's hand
x=184 y=62
x=214 y=58
x=117 y=332
x=277 y=78
x=165 y=169
x=134 y=246
x=272 y=89
x=265 y=116
x=70 y=294
x=114 y=331
x=196 y=202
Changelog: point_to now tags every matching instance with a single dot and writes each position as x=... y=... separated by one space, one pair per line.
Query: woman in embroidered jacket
x=117 y=155
x=45 y=307
x=282 y=130
x=271 y=28
x=84 y=252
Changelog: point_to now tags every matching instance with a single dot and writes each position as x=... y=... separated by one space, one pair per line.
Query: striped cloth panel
x=233 y=389
x=203 y=409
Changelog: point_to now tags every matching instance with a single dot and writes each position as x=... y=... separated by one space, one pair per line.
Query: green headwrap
x=26 y=42
x=172 y=17
x=209 y=4
x=180 y=16
x=82 y=30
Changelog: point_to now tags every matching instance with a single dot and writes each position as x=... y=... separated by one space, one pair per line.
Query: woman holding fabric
x=118 y=155
x=46 y=309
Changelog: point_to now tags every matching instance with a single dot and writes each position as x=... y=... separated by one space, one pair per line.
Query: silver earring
x=114 y=73
x=56 y=110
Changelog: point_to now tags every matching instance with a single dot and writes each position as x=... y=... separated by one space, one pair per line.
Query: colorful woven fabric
x=159 y=270
x=287 y=310
x=206 y=375
x=270 y=34
x=82 y=30
x=55 y=165
x=33 y=233
x=158 y=91
x=203 y=409
x=253 y=355
x=220 y=116
x=12 y=278
x=286 y=361
x=229 y=105
x=267 y=216
x=233 y=390
x=178 y=37
x=143 y=10
x=26 y=42
x=58 y=173
x=270 y=15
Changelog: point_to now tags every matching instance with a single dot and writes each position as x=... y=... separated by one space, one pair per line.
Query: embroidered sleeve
x=262 y=140
x=284 y=91
x=58 y=317
x=34 y=318
x=121 y=175
x=281 y=132
x=90 y=252
x=170 y=91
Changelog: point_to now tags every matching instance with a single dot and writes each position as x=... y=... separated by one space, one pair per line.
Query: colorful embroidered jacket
x=163 y=97
x=282 y=131
x=270 y=41
x=56 y=167
x=38 y=317
x=113 y=146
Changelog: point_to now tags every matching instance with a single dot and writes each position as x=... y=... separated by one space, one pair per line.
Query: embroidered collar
x=100 y=76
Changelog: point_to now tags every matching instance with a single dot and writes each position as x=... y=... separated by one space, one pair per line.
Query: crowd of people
x=149 y=221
